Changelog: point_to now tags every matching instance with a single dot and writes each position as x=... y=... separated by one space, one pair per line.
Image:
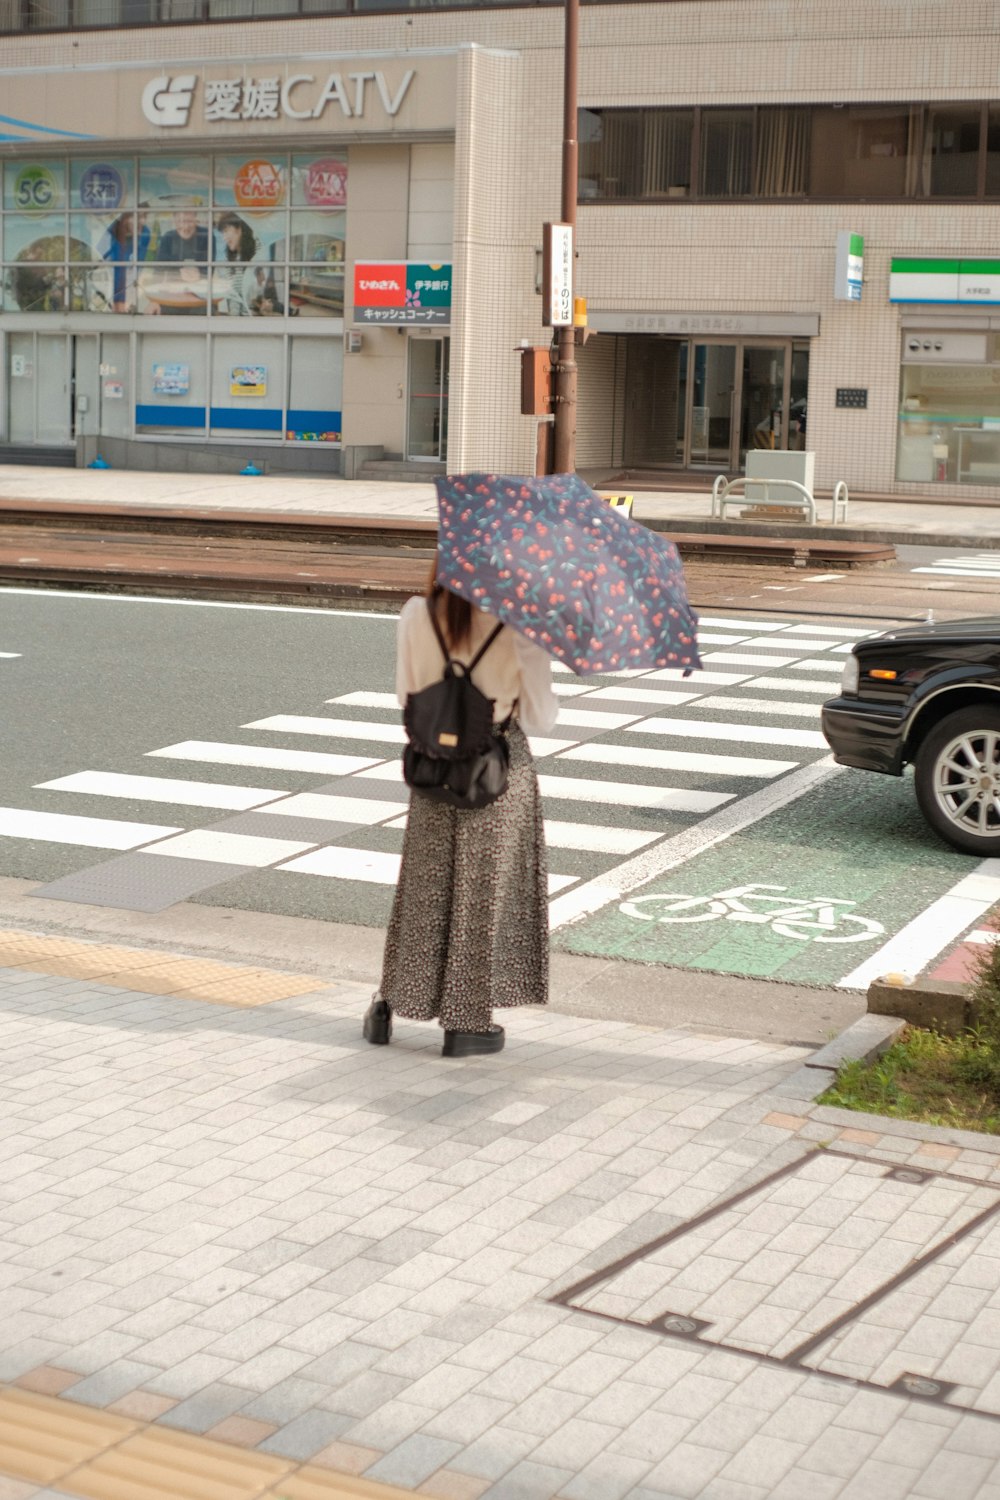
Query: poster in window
x=248 y=380
x=171 y=379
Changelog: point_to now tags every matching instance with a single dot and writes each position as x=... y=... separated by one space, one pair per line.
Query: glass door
x=39 y=388
x=763 y=399
x=712 y=393
x=427 y=414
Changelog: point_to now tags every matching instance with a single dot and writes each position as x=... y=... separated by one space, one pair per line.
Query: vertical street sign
x=850 y=266
x=557 y=276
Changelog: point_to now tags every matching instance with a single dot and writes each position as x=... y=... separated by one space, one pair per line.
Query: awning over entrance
x=717 y=324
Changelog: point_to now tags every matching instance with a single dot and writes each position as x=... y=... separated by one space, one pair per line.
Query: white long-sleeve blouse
x=513 y=669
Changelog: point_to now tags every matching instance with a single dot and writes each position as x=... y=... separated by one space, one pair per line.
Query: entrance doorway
x=427 y=413
x=53 y=388
x=706 y=403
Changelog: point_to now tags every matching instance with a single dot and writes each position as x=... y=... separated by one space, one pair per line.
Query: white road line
x=341 y=729
x=840 y=631
x=601 y=793
x=678 y=760
x=750 y=734
x=263 y=758
x=961 y=572
x=709 y=638
x=804 y=643
x=582 y=718
x=725 y=704
x=792 y=685
x=630 y=794
x=814 y=664
x=68 y=828
x=229 y=848
x=669 y=853
x=721 y=679
x=366 y=700
x=571 y=689
x=594 y=838
x=744 y=625
x=338 y=863
x=920 y=941
x=272 y=609
x=824 y=577
x=162 y=789
x=661 y=696
x=749 y=658
x=335 y=809
x=10 y=655
x=982 y=935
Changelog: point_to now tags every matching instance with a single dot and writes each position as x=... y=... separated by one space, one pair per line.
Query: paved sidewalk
x=612 y=1263
x=903 y=519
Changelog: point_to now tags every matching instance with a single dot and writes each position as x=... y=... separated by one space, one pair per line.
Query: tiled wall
x=734 y=258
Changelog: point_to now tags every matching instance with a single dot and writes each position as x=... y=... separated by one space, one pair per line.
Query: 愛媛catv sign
x=969 y=282
x=850 y=266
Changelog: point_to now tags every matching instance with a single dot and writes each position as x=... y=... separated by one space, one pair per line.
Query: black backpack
x=454 y=754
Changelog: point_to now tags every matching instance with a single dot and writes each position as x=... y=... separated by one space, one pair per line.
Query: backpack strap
x=443 y=644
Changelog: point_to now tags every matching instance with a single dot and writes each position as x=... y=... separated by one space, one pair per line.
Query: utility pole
x=564 y=454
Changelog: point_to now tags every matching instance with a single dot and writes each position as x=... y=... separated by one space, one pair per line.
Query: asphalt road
x=170 y=723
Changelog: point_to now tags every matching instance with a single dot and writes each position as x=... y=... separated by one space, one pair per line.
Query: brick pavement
x=240 y=1222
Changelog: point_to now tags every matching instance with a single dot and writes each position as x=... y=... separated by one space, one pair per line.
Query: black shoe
x=377 y=1027
x=467 y=1043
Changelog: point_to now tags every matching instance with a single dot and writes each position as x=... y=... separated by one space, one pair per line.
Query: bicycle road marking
x=810 y=920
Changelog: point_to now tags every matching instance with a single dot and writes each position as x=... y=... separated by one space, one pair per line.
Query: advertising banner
x=398 y=292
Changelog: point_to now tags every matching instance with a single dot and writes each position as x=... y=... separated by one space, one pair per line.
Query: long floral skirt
x=469 y=927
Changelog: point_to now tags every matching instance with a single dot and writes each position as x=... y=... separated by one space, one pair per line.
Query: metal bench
x=784 y=492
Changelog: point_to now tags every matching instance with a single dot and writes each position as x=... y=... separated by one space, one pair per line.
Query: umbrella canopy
x=556 y=562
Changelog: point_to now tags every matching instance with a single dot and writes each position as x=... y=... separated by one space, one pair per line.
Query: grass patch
x=940 y=1080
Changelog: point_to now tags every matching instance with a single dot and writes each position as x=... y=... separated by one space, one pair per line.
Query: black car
x=929 y=695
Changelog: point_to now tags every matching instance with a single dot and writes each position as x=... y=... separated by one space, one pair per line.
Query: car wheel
x=958 y=779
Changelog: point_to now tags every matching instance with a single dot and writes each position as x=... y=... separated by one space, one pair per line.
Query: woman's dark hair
x=247 y=246
x=453 y=612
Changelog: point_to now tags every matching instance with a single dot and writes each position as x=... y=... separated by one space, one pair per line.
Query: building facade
x=329 y=249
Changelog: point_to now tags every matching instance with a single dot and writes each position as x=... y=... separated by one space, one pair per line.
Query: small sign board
x=400 y=292
x=557 y=275
x=850 y=266
x=853 y=395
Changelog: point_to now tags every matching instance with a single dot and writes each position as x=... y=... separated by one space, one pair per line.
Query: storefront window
x=993 y=152
x=949 y=421
x=172 y=385
x=234 y=236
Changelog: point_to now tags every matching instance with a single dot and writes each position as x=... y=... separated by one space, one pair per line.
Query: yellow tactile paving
x=96 y=1456
x=43 y=1439
x=152 y=973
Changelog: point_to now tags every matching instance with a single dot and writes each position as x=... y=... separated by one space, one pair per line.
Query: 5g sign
x=35 y=188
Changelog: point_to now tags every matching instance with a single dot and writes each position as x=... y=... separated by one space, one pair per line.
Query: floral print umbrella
x=555 y=561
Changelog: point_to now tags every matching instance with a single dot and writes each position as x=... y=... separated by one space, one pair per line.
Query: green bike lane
x=855 y=839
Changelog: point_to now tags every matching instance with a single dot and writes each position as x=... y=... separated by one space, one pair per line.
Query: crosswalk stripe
x=71 y=828
x=662 y=696
x=228 y=848
x=792 y=685
x=677 y=760
x=162 y=789
x=607 y=719
x=722 y=679
x=630 y=794
x=710 y=638
x=743 y=625
x=755 y=734
x=814 y=664
x=264 y=757
x=748 y=658
x=723 y=704
x=10 y=655
x=594 y=838
x=841 y=632
x=341 y=729
x=334 y=809
x=338 y=863
x=794 y=643
x=962 y=572
x=366 y=700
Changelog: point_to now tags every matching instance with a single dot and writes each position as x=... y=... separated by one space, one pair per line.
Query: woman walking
x=469 y=927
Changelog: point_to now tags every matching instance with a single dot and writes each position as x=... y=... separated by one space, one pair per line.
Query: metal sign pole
x=564 y=455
